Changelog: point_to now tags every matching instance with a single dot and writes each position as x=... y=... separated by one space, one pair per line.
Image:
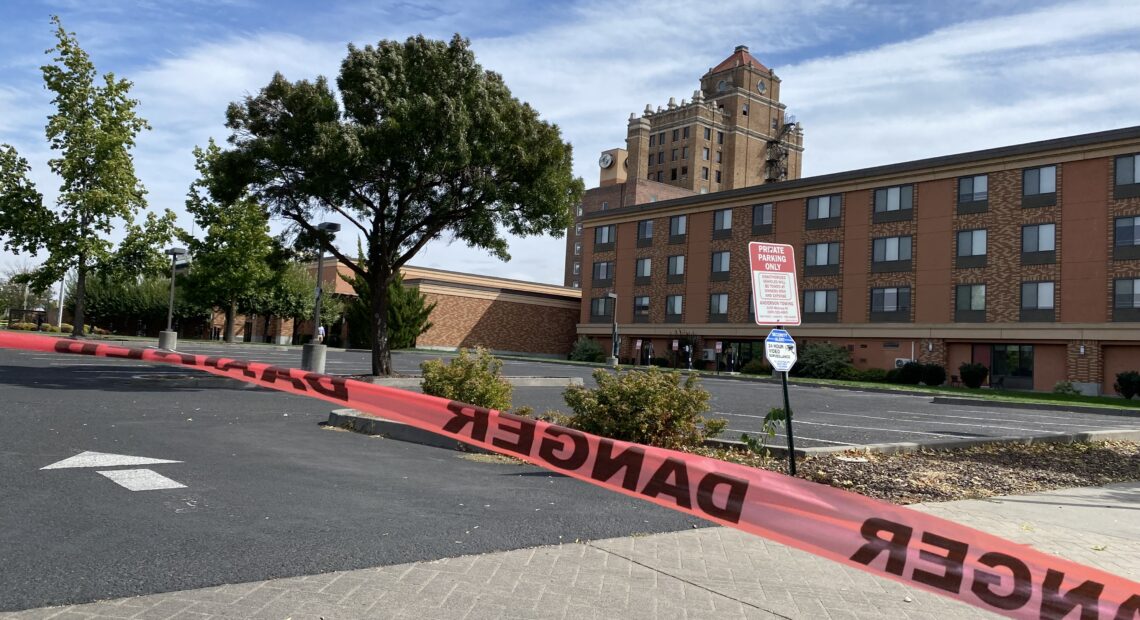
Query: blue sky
x=871 y=82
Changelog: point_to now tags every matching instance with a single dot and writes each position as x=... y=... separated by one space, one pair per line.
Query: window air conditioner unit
x=901 y=361
x=710 y=355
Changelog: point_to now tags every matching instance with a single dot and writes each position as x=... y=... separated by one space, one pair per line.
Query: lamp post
x=614 y=334
x=313 y=353
x=168 y=339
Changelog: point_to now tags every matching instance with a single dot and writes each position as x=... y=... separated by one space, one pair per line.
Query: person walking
x=320 y=334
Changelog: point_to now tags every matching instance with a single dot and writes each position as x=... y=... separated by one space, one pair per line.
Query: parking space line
x=991 y=419
x=871 y=428
x=798 y=437
x=872 y=417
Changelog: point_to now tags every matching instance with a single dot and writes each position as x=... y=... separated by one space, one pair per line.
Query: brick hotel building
x=1025 y=258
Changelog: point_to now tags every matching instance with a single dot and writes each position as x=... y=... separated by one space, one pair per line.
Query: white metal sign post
x=776 y=301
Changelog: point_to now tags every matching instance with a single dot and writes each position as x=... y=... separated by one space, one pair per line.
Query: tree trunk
x=80 y=291
x=231 y=311
x=381 y=353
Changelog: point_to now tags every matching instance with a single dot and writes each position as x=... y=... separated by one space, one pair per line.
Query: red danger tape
x=911 y=547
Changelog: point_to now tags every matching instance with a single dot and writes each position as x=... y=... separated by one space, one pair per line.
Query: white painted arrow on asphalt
x=130 y=479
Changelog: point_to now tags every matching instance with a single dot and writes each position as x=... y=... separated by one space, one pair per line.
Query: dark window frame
x=979 y=202
x=675 y=238
x=970 y=314
x=900 y=264
x=720 y=275
x=644 y=241
x=831 y=267
x=719 y=317
x=971 y=260
x=1035 y=313
x=1038 y=257
x=767 y=212
x=718 y=229
x=1033 y=197
x=830 y=314
x=881 y=198
x=670 y=317
x=1131 y=249
x=834 y=218
x=903 y=303
x=1121 y=186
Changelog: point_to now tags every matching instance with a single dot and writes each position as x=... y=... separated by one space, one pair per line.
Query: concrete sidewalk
x=706 y=573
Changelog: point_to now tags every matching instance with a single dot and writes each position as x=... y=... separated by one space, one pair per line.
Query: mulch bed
x=943 y=475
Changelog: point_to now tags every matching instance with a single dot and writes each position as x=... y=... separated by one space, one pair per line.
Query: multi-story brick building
x=1025 y=258
x=734 y=133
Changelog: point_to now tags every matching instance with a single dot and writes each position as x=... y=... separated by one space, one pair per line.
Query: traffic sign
x=775 y=295
x=676 y=343
x=780 y=350
x=718 y=346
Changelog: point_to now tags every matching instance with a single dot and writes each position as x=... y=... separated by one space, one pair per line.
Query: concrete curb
x=414 y=382
x=944 y=444
x=951 y=400
x=357 y=421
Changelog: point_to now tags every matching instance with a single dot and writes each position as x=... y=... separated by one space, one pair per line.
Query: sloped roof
x=740 y=56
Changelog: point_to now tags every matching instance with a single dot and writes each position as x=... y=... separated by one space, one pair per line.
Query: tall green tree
x=408 y=313
x=426 y=144
x=93 y=131
x=232 y=264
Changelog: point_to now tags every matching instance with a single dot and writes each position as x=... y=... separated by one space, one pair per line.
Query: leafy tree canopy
x=426 y=144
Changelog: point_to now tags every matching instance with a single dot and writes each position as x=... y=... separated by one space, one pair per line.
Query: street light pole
x=313 y=353
x=169 y=339
x=614 y=347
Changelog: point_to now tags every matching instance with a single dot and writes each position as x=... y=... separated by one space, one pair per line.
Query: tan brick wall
x=499 y=325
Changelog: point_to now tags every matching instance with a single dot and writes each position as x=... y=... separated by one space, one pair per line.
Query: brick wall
x=499 y=325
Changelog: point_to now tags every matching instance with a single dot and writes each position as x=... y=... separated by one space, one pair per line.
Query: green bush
x=22 y=326
x=973 y=375
x=1127 y=384
x=872 y=375
x=652 y=407
x=587 y=350
x=662 y=362
x=472 y=379
x=1066 y=388
x=823 y=361
x=933 y=374
x=756 y=366
x=910 y=373
x=66 y=328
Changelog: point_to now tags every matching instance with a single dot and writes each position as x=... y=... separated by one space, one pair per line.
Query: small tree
x=933 y=374
x=1127 y=384
x=473 y=379
x=93 y=129
x=651 y=407
x=587 y=350
x=910 y=373
x=408 y=312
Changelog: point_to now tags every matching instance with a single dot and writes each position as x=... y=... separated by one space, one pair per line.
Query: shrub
x=1066 y=388
x=822 y=361
x=933 y=374
x=910 y=373
x=472 y=379
x=652 y=407
x=873 y=375
x=66 y=327
x=22 y=326
x=1127 y=384
x=587 y=350
x=973 y=375
x=662 y=362
x=756 y=366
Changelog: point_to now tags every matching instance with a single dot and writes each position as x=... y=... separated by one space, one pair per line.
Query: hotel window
x=894 y=204
x=577 y=268
x=578 y=230
x=577 y=248
x=821 y=306
x=674 y=306
x=685 y=132
x=651 y=159
x=1126 y=299
x=603 y=273
x=604 y=236
x=720 y=263
x=673 y=174
x=660 y=176
x=676 y=134
x=708 y=133
x=673 y=155
x=579 y=210
x=641 y=309
x=973 y=194
x=576 y=284
x=661 y=139
x=891 y=254
x=1127 y=238
x=684 y=172
x=744 y=109
x=890 y=304
x=821 y=259
x=718 y=176
x=720 y=137
x=1127 y=176
x=605 y=205
x=719 y=156
x=705 y=153
x=718 y=307
x=678 y=224
x=824 y=211
x=1038 y=245
x=644 y=233
x=1039 y=187
x=642 y=271
x=1037 y=301
x=676 y=273
x=684 y=152
x=722 y=224
x=601 y=307
x=970 y=303
x=762 y=219
x=660 y=157
x=652 y=140
x=971 y=249
x=705 y=173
